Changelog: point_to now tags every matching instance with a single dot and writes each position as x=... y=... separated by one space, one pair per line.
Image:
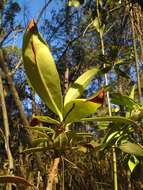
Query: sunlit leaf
x=41 y=69
x=82 y=149
x=132 y=93
x=132 y=148
x=80 y=84
x=112 y=136
x=74 y=3
x=46 y=119
x=132 y=163
x=78 y=109
x=96 y=24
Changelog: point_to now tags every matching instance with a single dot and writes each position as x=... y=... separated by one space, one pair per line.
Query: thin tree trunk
x=52 y=173
x=108 y=102
x=28 y=134
x=7 y=134
x=136 y=56
x=12 y=87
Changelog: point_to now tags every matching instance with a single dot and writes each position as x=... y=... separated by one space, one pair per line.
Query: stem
x=13 y=89
x=52 y=173
x=108 y=99
x=136 y=56
x=115 y=168
x=7 y=133
x=63 y=174
x=18 y=103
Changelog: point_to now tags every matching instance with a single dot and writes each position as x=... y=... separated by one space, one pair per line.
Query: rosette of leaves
x=43 y=76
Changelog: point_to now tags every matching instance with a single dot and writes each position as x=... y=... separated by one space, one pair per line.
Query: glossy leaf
x=132 y=163
x=77 y=109
x=132 y=93
x=80 y=84
x=16 y=180
x=47 y=119
x=132 y=148
x=96 y=24
x=41 y=69
x=112 y=136
x=123 y=100
x=113 y=119
x=74 y=3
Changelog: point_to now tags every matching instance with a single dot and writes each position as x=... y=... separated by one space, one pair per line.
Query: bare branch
x=6 y=129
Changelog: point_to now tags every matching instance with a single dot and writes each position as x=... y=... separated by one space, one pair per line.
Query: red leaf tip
x=99 y=98
x=31 y=24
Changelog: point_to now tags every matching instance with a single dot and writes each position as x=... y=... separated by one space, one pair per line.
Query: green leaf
x=112 y=136
x=16 y=180
x=77 y=109
x=132 y=163
x=47 y=119
x=36 y=149
x=74 y=3
x=113 y=119
x=131 y=148
x=82 y=149
x=123 y=100
x=39 y=140
x=96 y=24
x=41 y=69
x=132 y=93
x=84 y=134
x=43 y=129
x=61 y=141
x=80 y=84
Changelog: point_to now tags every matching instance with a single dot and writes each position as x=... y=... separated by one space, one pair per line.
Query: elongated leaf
x=41 y=69
x=47 y=119
x=80 y=84
x=77 y=109
x=16 y=180
x=123 y=100
x=39 y=140
x=112 y=136
x=36 y=149
x=113 y=119
x=132 y=148
x=132 y=93
x=84 y=134
x=40 y=128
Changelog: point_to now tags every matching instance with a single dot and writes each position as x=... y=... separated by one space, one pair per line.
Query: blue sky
x=31 y=9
